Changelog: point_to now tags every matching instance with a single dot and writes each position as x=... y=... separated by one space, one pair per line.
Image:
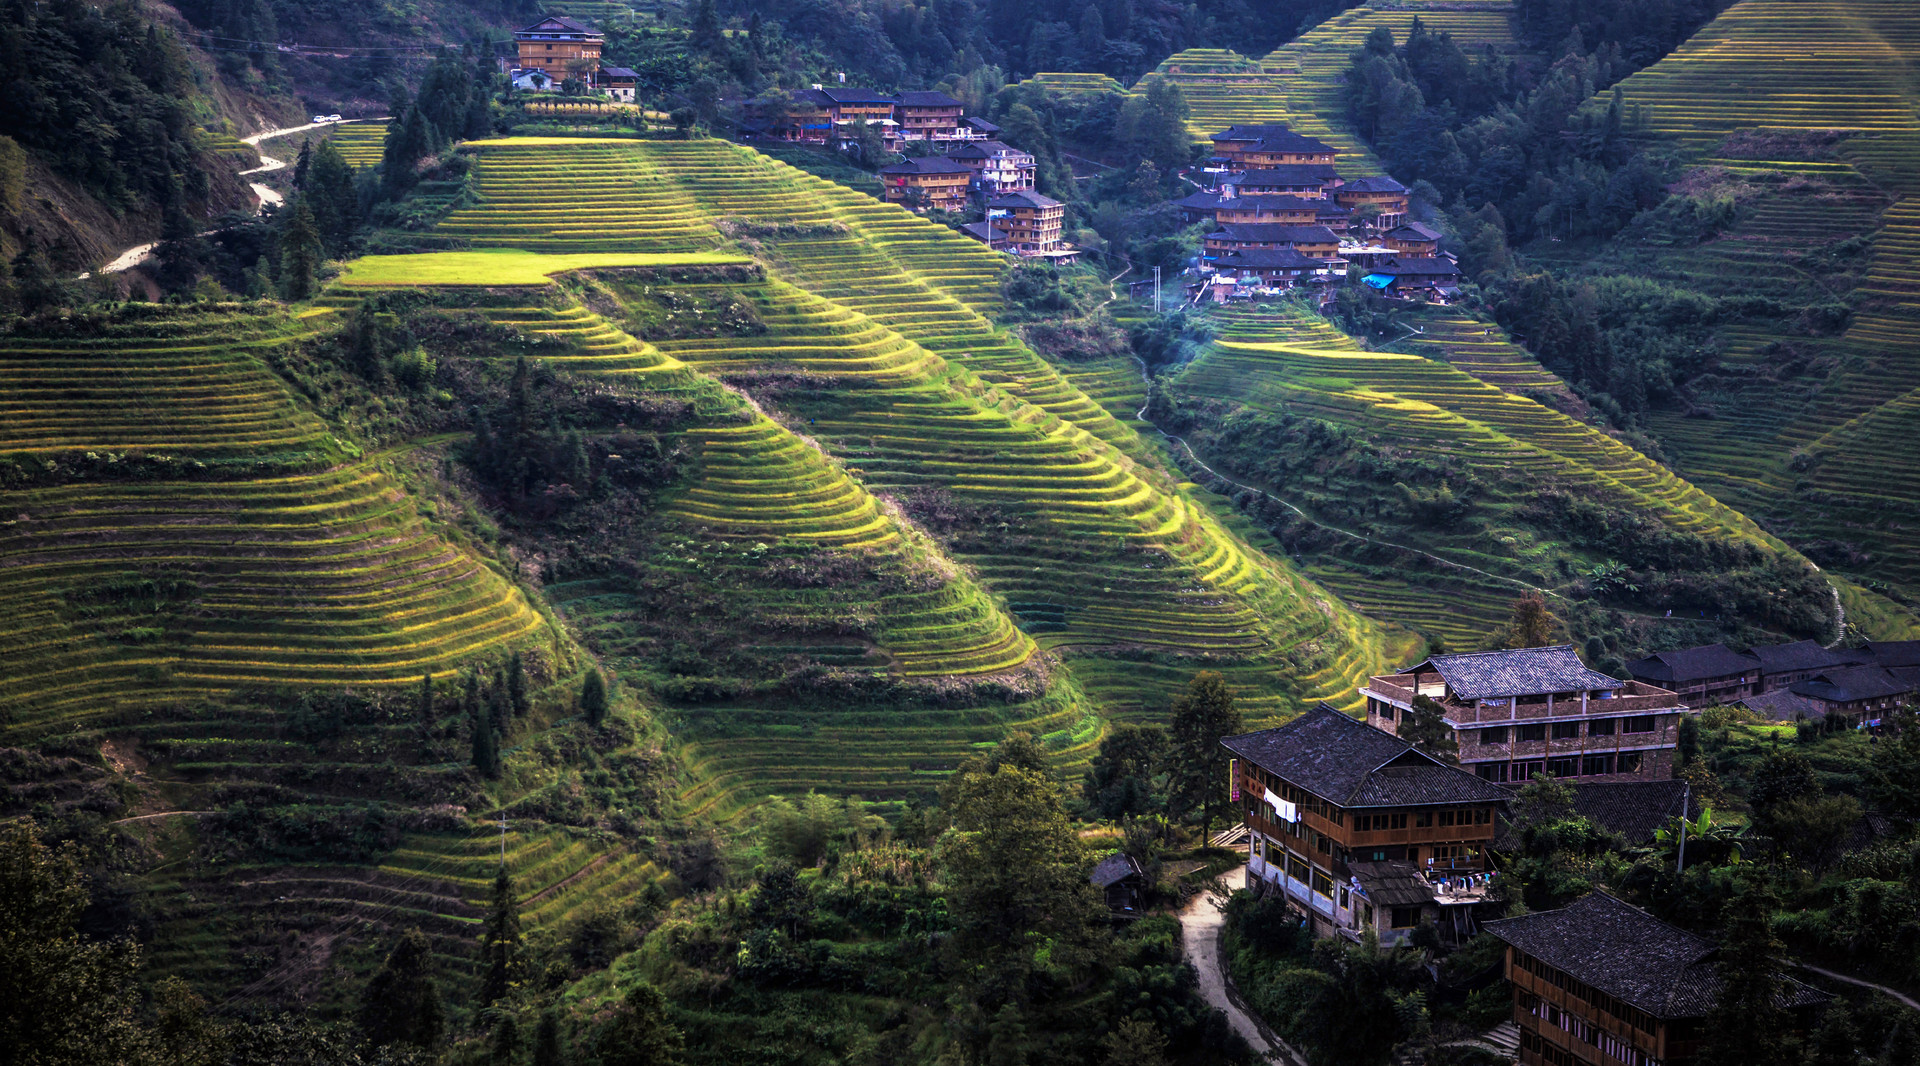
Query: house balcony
x=1633 y=697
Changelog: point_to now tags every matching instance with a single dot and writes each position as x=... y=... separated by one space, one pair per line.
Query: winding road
x=1200 y=926
x=139 y=253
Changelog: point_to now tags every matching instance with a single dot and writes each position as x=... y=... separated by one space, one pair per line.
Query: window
x=1483 y=816
x=1524 y=733
x=1446 y=817
x=1322 y=883
x=1596 y=764
x=1639 y=723
x=1423 y=820
x=1397 y=820
x=1600 y=727
x=1629 y=763
x=1344 y=901
x=1494 y=735
x=1563 y=767
x=1406 y=917
x=1492 y=771
x=1566 y=730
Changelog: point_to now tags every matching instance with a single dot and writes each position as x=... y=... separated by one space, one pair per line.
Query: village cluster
x=1360 y=830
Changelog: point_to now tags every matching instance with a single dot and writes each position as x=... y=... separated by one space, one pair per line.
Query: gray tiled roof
x=1273 y=139
x=1418 y=266
x=1273 y=231
x=1693 y=664
x=1373 y=184
x=926 y=99
x=1414 y=231
x=1799 y=655
x=1627 y=953
x=1517 y=672
x=1352 y=764
x=1023 y=198
x=1848 y=683
x=1633 y=809
x=1289 y=174
x=983 y=150
x=1392 y=884
x=1268 y=259
x=1783 y=705
x=926 y=164
x=1114 y=868
x=1892 y=653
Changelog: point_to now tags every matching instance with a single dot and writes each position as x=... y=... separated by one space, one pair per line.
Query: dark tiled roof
x=920 y=99
x=1633 y=809
x=1023 y=198
x=1272 y=139
x=1800 y=655
x=1272 y=232
x=1783 y=705
x=926 y=164
x=981 y=124
x=1418 y=266
x=1627 y=953
x=619 y=72
x=1693 y=664
x=1289 y=174
x=982 y=232
x=1377 y=184
x=560 y=23
x=1848 y=683
x=1114 y=868
x=1208 y=201
x=1892 y=653
x=1353 y=764
x=1392 y=884
x=1414 y=231
x=1518 y=672
x=1268 y=259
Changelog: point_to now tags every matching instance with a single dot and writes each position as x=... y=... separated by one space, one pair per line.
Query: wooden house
x=560 y=47
x=1602 y=983
x=929 y=116
x=1032 y=222
x=997 y=167
x=845 y=109
x=1702 y=676
x=1412 y=238
x=1310 y=180
x=1228 y=206
x=929 y=181
x=1314 y=242
x=1281 y=268
x=1360 y=830
x=620 y=83
x=1386 y=195
x=1255 y=147
x=1854 y=693
x=1405 y=275
x=1121 y=881
x=1537 y=710
x=1786 y=665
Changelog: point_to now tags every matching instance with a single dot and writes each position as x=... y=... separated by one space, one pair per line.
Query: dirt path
x=1901 y=996
x=1200 y=926
x=139 y=253
x=157 y=814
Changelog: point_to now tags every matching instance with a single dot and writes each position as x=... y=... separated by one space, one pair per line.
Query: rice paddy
x=505 y=266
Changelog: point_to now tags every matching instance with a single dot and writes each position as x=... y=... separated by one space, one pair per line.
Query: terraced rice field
x=361 y=144
x=269 y=565
x=611 y=197
x=1069 y=82
x=1787 y=64
x=1806 y=68
x=929 y=397
x=1425 y=406
x=158 y=381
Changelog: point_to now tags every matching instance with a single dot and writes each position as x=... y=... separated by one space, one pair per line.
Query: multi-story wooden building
x=1537 y=710
x=998 y=168
x=929 y=181
x=1281 y=268
x=1702 y=676
x=928 y=116
x=1602 y=983
x=844 y=109
x=1412 y=238
x=1786 y=665
x=1255 y=147
x=1311 y=180
x=1032 y=222
x=1854 y=693
x=1361 y=830
x=1227 y=206
x=1382 y=193
x=1314 y=242
x=559 y=46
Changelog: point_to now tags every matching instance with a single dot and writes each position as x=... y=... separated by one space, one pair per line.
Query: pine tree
x=426 y=698
x=301 y=164
x=593 y=698
x=1532 y=625
x=505 y=1041
x=1425 y=727
x=299 y=252
x=1197 y=777
x=517 y=686
x=1749 y=1019
x=500 y=943
x=401 y=1004
x=546 y=1041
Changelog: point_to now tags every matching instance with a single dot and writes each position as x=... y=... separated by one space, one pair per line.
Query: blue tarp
x=1378 y=281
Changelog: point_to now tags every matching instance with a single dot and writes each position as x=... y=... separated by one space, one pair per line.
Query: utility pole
x=1686 y=809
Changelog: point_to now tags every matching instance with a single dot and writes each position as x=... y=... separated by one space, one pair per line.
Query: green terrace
x=159 y=381
x=1451 y=404
x=607 y=196
x=361 y=144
